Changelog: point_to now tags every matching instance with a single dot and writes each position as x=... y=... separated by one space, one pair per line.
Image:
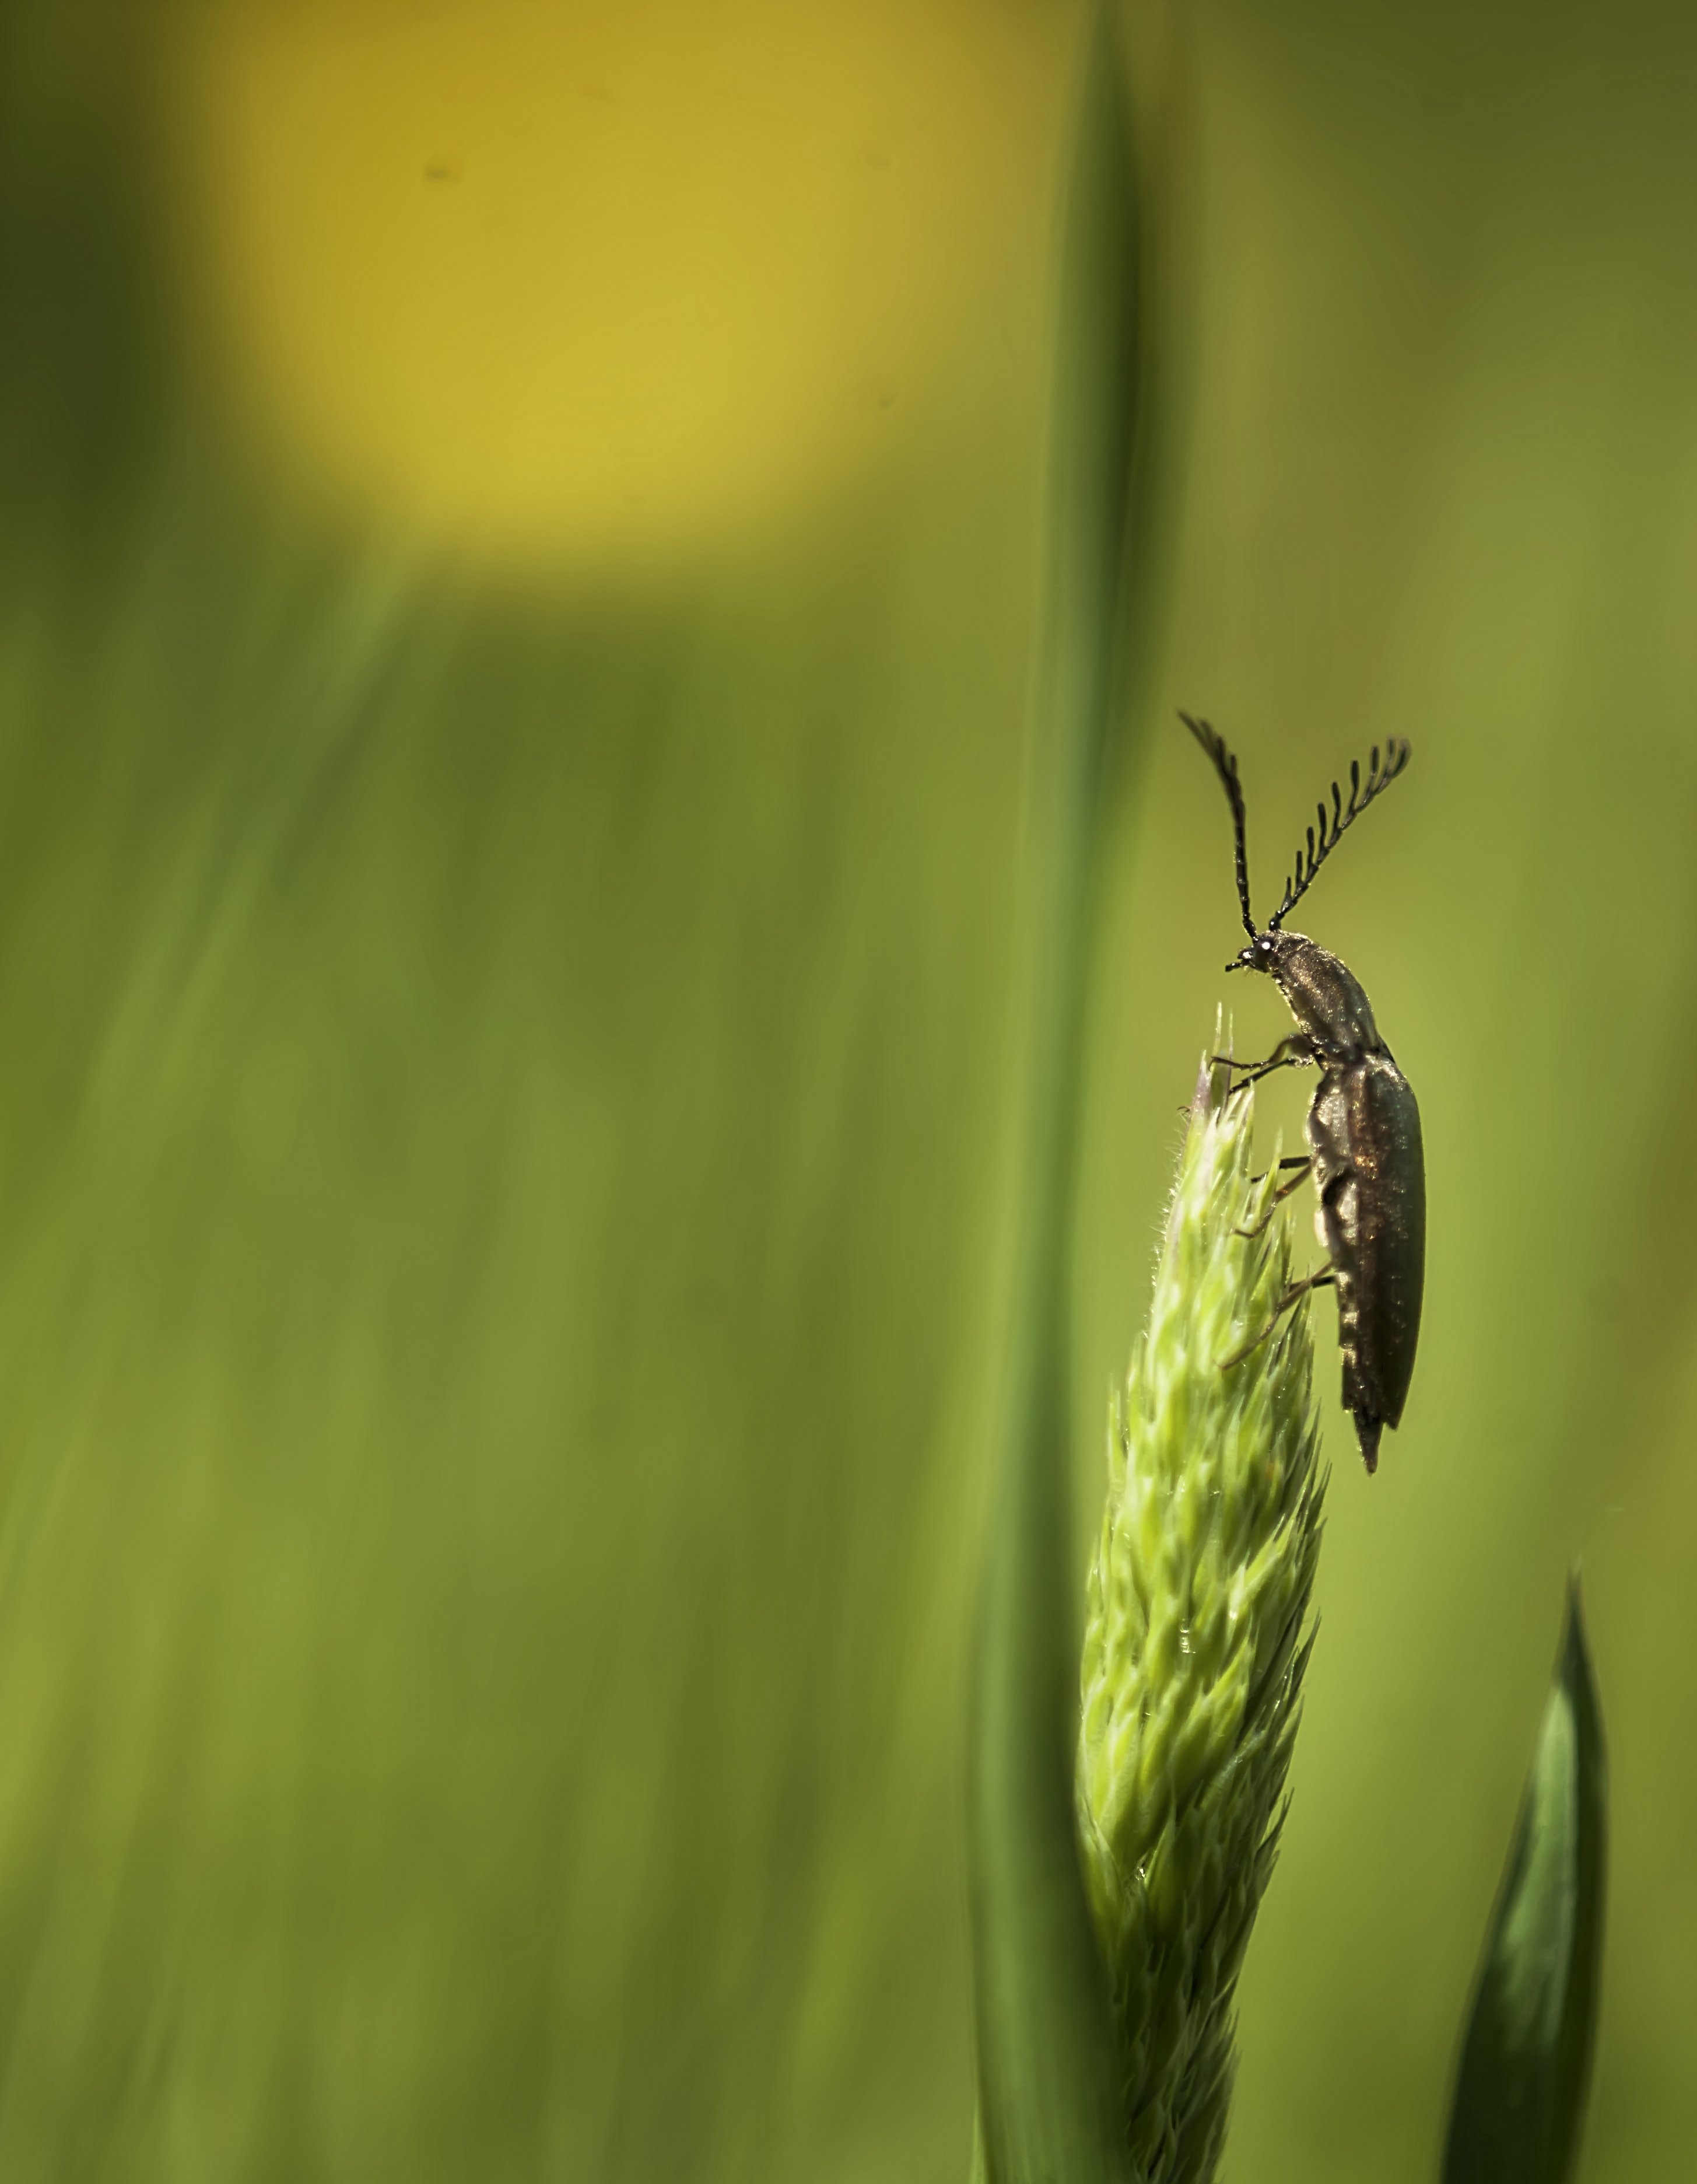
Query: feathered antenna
x=1226 y=765
x=1332 y=824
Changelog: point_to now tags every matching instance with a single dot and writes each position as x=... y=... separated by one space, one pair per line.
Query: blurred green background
x=519 y=551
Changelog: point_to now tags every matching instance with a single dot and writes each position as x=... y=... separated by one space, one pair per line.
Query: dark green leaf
x=1050 y=2109
x=1519 y=2103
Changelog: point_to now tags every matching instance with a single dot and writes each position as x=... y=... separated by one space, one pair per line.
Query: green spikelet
x=1194 y=1647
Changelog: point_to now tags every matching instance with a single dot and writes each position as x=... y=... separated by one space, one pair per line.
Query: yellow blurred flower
x=605 y=281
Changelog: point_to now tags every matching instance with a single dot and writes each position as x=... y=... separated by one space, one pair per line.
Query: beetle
x=1362 y=1126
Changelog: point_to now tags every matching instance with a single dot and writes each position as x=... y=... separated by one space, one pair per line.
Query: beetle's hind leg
x=1325 y=1279
x=1296 y=1052
x=1305 y=1163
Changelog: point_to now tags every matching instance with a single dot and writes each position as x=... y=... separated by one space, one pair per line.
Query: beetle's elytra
x=1362 y=1127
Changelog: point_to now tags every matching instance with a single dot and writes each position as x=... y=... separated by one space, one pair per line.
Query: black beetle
x=1362 y=1127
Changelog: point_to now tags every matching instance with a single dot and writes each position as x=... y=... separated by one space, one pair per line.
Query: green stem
x=1048 y=2097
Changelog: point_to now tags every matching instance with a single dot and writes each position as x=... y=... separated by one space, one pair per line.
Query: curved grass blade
x=1048 y=2100
x=1519 y=2103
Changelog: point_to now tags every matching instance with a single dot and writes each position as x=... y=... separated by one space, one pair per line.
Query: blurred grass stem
x=1048 y=2104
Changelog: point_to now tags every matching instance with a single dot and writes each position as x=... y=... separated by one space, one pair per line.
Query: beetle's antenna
x=1332 y=824
x=1226 y=765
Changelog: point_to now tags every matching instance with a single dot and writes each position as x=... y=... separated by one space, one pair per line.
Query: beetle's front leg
x=1296 y=1052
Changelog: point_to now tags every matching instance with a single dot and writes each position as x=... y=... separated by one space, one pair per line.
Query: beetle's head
x=1262 y=953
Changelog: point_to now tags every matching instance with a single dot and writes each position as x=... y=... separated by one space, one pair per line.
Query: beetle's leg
x=1279 y=1196
x=1294 y=1159
x=1296 y=1052
x=1266 y=1069
x=1325 y=1279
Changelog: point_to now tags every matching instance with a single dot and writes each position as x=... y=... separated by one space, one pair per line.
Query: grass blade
x=1519 y=2103
x=1048 y=2098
